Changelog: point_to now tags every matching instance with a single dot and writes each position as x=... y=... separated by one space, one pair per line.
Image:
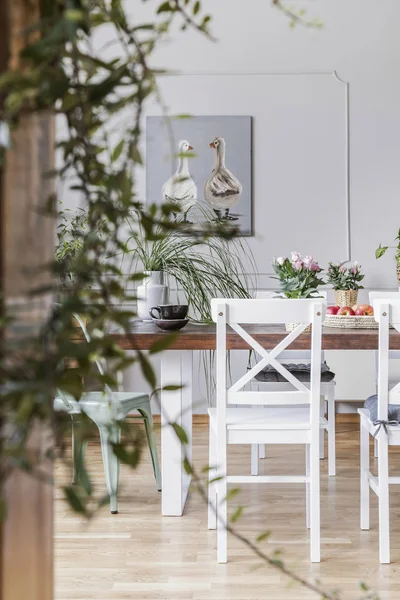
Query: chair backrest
x=379 y=295
x=386 y=312
x=292 y=355
x=99 y=366
x=237 y=314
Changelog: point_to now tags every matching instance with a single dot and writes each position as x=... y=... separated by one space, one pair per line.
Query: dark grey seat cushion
x=371 y=404
x=301 y=371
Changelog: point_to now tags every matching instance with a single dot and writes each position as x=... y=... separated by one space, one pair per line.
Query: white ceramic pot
x=152 y=292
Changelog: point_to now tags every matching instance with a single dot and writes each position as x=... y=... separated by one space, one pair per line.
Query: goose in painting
x=181 y=188
x=222 y=189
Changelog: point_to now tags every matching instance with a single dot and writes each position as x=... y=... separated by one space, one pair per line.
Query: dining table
x=176 y=384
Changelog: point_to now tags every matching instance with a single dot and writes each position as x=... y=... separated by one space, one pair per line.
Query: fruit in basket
x=346 y=311
x=364 y=310
x=332 y=310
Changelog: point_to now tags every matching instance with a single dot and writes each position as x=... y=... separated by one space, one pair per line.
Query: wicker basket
x=292 y=326
x=350 y=322
x=346 y=297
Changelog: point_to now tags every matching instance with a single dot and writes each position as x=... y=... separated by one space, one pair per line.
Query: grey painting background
x=199 y=131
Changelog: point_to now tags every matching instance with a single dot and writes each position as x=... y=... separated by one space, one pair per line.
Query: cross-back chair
x=393 y=354
x=380 y=418
x=300 y=360
x=107 y=409
x=281 y=417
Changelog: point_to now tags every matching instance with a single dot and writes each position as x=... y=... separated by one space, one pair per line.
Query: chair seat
x=301 y=371
x=371 y=404
x=265 y=418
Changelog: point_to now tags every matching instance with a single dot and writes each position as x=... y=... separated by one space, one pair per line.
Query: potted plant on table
x=345 y=282
x=202 y=269
x=299 y=277
x=381 y=250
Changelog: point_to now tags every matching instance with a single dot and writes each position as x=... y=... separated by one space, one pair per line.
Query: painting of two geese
x=203 y=164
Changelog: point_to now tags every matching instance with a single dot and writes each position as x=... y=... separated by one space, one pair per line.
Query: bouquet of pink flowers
x=345 y=278
x=298 y=275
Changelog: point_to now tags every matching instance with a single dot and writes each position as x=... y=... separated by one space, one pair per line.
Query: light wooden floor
x=139 y=555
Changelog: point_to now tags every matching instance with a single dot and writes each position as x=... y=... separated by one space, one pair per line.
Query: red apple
x=346 y=311
x=332 y=310
x=365 y=310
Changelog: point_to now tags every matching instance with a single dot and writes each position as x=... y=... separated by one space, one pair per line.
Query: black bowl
x=171 y=324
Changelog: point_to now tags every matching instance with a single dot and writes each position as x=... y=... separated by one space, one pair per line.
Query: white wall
x=360 y=42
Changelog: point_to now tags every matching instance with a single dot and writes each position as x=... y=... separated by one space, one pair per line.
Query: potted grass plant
x=381 y=250
x=345 y=282
x=299 y=277
x=201 y=270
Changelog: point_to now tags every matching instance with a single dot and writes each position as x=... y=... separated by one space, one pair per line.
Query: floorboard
x=139 y=555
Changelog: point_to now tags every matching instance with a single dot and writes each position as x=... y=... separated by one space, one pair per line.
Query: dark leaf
x=181 y=433
x=163 y=343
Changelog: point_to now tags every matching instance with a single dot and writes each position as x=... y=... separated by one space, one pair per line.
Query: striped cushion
x=301 y=371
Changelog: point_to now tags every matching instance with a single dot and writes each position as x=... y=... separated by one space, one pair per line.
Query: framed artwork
x=204 y=164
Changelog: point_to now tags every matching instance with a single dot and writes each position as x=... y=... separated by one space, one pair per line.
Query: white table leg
x=176 y=406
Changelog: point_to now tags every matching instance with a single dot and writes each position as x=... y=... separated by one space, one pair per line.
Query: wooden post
x=26 y=242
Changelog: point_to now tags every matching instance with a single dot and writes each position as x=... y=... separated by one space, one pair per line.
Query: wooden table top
x=202 y=337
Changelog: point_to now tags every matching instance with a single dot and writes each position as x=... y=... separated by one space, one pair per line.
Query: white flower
x=356 y=263
x=295 y=257
x=280 y=260
x=307 y=260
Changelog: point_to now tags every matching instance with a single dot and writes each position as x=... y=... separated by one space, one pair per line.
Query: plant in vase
x=381 y=250
x=298 y=277
x=345 y=282
x=203 y=269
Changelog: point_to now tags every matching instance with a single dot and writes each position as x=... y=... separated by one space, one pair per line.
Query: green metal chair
x=106 y=409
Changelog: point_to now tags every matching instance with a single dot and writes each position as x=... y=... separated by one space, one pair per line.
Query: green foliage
x=381 y=250
x=345 y=278
x=205 y=266
x=62 y=73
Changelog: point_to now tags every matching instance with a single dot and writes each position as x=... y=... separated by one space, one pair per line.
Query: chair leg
x=364 y=477
x=212 y=488
x=261 y=451
x=222 y=519
x=149 y=428
x=383 y=477
x=254 y=459
x=308 y=486
x=315 y=534
x=322 y=431
x=78 y=452
x=331 y=433
x=109 y=435
x=222 y=509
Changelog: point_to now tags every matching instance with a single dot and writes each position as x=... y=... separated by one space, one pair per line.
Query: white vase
x=152 y=292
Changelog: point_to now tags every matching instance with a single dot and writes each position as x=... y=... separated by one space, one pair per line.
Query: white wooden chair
x=383 y=428
x=282 y=417
x=327 y=407
x=393 y=354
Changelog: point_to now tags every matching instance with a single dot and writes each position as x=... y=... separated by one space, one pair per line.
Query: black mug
x=169 y=311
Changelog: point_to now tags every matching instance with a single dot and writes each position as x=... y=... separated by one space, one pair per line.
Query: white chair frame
x=393 y=354
x=327 y=424
x=387 y=311
x=288 y=422
x=328 y=401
